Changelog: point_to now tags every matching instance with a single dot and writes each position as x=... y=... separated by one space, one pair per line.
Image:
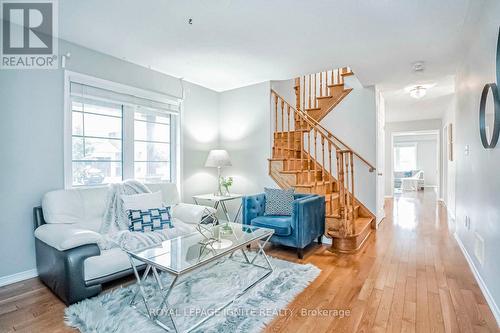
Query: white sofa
x=412 y=180
x=68 y=259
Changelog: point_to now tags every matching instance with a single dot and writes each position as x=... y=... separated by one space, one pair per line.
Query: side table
x=220 y=200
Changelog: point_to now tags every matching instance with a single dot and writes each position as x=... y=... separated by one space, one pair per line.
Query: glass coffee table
x=184 y=254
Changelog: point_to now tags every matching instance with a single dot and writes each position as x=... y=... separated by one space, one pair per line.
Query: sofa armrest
x=66 y=236
x=253 y=206
x=191 y=214
x=308 y=219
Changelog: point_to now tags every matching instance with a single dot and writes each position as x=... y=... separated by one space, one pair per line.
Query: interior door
x=380 y=158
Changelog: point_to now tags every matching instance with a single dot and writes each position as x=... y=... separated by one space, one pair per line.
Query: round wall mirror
x=489 y=116
x=489 y=108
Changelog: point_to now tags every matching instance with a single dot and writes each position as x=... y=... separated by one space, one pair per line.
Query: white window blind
x=118 y=134
x=405 y=157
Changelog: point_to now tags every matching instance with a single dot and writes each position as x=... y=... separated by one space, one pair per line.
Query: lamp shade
x=218 y=158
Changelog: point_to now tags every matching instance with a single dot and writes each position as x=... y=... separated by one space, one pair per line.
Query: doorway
x=415 y=161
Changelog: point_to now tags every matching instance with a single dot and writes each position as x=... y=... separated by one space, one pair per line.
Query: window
x=405 y=157
x=152 y=147
x=115 y=136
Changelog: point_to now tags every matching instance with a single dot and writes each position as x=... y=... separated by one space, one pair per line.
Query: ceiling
x=233 y=43
x=400 y=106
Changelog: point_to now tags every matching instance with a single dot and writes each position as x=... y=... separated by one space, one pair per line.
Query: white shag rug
x=198 y=294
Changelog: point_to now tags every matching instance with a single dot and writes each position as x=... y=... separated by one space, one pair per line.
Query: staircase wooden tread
x=335 y=85
x=313 y=109
x=284 y=148
x=360 y=224
x=324 y=97
x=313 y=184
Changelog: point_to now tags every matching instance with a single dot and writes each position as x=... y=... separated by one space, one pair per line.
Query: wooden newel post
x=297 y=93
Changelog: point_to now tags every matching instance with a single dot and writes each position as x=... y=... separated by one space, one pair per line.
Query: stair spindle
x=309 y=92
x=309 y=153
x=330 y=174
x=349 y=229
x=321 y=84
x=315 y=156
x=282 y=127
x=304 y=93
x=315 y=90
x=352 y=192
x=323 y=160
x=288 y=133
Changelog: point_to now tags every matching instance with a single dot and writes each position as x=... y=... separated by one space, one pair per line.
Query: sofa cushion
x=278 y=201
x=282 y=225
x=66 y=236
x=169 y=192
x=149 y=219
x=190 y=213
x=115 y=260
x=142 y=201
x=74 y=205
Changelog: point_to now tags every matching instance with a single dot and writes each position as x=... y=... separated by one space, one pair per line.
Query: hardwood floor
x=409 y=277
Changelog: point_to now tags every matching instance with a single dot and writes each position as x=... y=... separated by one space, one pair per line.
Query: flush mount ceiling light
x=418 y=92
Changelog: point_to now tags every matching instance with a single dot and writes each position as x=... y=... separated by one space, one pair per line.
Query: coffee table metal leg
x=164 y=303
x=141 y=288
x=226 y=212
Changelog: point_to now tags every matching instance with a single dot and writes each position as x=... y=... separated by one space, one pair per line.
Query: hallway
x=410 y=277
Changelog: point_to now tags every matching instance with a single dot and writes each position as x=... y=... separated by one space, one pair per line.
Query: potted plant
x=226 y=182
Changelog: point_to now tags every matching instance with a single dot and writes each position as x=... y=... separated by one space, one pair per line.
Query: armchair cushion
x=278 y=201
x=282 y=225
x=66 y=236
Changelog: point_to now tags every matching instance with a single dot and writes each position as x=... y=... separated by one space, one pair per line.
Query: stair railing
x=312 y=86
x=289 y=121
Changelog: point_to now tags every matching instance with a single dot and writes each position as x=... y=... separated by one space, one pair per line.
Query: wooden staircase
x=317 y=94
x=308 y=157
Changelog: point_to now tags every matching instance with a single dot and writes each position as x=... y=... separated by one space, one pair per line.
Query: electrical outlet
x=479 y=248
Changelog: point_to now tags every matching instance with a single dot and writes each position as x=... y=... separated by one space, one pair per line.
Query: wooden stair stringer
x=326 y=106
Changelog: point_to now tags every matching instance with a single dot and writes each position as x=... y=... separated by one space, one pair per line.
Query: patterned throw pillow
x=278 y=201
x=149 y=219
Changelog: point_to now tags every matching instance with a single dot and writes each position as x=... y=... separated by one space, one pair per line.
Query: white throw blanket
x=114 y=228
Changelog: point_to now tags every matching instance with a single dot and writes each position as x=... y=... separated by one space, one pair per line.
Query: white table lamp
x=218 y=158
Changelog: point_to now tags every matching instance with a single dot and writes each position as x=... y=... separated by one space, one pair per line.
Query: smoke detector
x=418 y=66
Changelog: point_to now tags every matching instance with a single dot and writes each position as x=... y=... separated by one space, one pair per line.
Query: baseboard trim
x=9 y=279
x=484 y=289
x=451 y=215
x=388 y=197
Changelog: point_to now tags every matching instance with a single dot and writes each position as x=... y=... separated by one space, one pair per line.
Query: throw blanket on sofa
x=115 y=217
x=114 y=228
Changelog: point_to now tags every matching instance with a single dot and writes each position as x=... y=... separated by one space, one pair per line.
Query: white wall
x=427 y=155
x=200 y=124
x=354 y=121
x=405 y=126
x=477 y=173
x=245 y=132
x=31 y=132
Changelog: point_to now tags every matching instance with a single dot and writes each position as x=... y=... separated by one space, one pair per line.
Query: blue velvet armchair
x=306 y=223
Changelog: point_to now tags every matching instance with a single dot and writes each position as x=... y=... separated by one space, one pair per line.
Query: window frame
x=128 y=120
x=405 y=145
